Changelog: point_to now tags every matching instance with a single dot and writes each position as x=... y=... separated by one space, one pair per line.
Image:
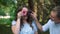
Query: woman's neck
x=24 y=21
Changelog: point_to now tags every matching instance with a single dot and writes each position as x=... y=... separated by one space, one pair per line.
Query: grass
x=5 y=30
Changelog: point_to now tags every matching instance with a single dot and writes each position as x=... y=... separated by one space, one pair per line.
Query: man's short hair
x=57 y=9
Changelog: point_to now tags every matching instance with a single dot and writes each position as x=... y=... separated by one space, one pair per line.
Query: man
x=53 y=24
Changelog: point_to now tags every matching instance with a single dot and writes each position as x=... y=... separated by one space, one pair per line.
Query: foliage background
x=41 y=7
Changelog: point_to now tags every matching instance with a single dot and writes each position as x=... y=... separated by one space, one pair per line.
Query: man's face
x=54 y=17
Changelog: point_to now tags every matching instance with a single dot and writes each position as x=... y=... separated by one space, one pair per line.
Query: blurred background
x=7 y=12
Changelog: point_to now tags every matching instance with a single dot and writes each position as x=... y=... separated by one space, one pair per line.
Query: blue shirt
x=26 y=28
x=53 y=27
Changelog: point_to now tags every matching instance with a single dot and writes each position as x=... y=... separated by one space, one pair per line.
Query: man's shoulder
x=50 y=21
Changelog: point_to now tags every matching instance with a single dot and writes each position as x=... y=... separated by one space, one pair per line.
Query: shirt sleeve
x=46 y=26
x=34 y=26
x=13 y=23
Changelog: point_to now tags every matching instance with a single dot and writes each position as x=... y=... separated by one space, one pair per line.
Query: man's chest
x=55 y=29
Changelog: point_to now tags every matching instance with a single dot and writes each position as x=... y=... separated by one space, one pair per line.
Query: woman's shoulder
x=13 y=22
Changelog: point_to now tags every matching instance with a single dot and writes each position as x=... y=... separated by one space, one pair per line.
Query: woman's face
x=24 y=12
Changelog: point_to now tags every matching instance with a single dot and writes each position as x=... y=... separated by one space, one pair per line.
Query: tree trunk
x=31 y=4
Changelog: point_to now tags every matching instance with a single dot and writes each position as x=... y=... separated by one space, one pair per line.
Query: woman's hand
x=34 y=16
x=19 y=15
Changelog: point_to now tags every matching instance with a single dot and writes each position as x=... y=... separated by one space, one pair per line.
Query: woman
x=24 y=24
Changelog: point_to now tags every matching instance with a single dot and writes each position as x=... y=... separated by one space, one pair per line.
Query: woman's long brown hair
x=29 y=19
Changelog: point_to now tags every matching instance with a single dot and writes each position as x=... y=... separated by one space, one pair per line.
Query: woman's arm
x=40 y=27
x=36 y=32
x=38 y=24
x=36 y=21
x=16 y=27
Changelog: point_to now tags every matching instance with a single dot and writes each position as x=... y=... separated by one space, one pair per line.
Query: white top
x=53 y=28
x=26 y=28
